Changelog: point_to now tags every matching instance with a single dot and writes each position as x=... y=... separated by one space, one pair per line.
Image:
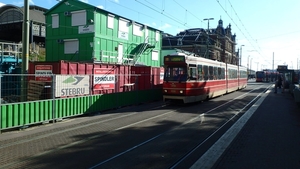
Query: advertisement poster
x=104 y=78
x=72 y=85
x=43 y=73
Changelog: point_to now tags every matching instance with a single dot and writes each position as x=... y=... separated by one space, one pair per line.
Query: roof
x=96 y=9
x=36 y=13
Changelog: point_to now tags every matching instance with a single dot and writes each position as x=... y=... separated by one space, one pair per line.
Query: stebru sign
x=104 y=78
x=72 y=85
x=43 y=73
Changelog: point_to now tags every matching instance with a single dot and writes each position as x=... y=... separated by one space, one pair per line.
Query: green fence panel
x=71 y=106
x=57 y=109
x=47 y=109
x=22 y=114
x=112 y=101
x=37 y=114
x=15 y=113
x=10 y=116
x=80 y=104
x=86 y=104
x=26 y=113
x=95 y=103
x=3 y=117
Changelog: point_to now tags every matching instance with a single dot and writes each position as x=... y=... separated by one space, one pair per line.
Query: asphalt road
x=154 y=135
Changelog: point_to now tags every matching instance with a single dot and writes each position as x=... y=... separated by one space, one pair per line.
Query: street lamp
x=241 y=55
x=207 y=40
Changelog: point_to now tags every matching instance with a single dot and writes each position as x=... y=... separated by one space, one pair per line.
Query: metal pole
x=273 y=62
x=53 y=85
x=241 y=55
x=251 y=66
x=207 y=40
x=248 y=66
x=25 y=50
x=0 y=103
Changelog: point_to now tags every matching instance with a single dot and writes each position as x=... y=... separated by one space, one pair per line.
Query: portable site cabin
x=77 y=31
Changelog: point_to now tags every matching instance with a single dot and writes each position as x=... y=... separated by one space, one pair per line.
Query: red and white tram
x=191 y=79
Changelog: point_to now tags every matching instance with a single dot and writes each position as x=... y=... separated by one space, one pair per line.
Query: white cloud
x=100 y=6
x=165 y=26
x=85 y=1
x=1 y=4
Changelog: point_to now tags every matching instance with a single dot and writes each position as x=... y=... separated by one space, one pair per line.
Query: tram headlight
x=180 y=91
x=165 y=91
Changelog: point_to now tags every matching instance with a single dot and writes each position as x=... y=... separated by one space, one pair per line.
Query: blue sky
x=266 y=28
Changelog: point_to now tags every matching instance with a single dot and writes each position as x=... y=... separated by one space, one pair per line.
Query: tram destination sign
x=282 y=67
x=174 y=59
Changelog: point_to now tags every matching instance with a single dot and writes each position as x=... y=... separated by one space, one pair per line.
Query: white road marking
x=210 y=157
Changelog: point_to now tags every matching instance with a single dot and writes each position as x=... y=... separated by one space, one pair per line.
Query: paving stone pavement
x=270 y=139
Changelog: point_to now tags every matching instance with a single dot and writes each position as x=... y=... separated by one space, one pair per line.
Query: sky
x=267 y=31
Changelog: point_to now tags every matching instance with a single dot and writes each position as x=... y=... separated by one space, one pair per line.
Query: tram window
x=193 y=73
x=200 y=72
x=215 y=73
x=167 y=73
x=179 y=74
x=235 y=74
x=230 y=74
x=219 y=73
x=223 y=73
x=211 y=72
x=175 y=73
x=205 y=70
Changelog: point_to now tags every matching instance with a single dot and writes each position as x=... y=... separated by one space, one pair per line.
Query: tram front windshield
x=175 y=74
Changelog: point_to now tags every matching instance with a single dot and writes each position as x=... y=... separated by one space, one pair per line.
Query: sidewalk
x=270 y=139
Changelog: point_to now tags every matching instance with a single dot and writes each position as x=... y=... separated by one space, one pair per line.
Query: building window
x=137 y=30
x=79 y=18
x=157 y=36
x=123 y=25
x=110 y=21
x=71 y=46
x=154 y=55
x=55 y=21
x=123 y=29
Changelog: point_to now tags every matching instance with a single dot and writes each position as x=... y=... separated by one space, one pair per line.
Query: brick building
x=213 y=43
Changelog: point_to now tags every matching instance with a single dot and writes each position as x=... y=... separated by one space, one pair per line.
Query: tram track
x=185 y=123
x=184 y=157
x=40 y=137
x=114 y=117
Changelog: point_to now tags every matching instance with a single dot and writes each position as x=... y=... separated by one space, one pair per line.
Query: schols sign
x=104 y=78
x=43 y=73
x=72 y=85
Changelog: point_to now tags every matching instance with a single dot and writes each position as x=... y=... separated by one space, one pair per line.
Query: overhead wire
x=167 y=15
x=256 y=47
